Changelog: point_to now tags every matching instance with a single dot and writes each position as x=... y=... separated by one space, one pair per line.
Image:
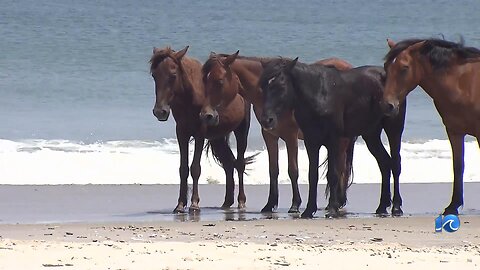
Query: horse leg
x=375 y=146
x=394 y=135
x=241 y=135
x=182 y=139
x=312 y=151
x=457 y=144
x=292 y=152
x=195 y=171
x=271 y=142
x=333 y=177
x=222 y=151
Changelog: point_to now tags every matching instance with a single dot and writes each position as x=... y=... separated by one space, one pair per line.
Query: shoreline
x=152 y=203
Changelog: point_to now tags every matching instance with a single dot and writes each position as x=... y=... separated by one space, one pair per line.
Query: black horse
x=332 y=107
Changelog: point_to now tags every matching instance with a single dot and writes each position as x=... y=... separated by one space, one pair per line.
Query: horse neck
x=436 y=82
x=248 y=72
x=232 y=91
x=190 y=90
x=299 y=74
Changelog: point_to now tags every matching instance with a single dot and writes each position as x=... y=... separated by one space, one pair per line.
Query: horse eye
x=221 y=81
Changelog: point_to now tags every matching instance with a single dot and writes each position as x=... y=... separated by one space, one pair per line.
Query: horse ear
x=416 y=46
x=264 y=63
x=155 y=50
x=230 y=59
x=391 y=43
x=292 y=64
x=180 y=54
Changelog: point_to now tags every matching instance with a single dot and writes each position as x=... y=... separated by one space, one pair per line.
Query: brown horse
x=179 y=87
x=249 y=70
x=224 y=111
x=449 y=73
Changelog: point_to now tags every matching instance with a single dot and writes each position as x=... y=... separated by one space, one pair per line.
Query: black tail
x=249 y=160
x=219 y=155
x=222 y=155
x=346 y=177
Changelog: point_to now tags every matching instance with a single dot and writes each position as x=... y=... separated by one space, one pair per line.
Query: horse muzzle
x=210 y=118
x=390 y=108
x=268 y=122
x=162 y=114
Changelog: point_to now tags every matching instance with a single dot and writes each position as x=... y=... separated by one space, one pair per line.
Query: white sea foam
x=153 y=162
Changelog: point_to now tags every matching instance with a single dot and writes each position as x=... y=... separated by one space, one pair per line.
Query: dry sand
x=353 y=243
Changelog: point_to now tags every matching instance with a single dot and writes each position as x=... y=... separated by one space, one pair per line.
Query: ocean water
x=76 y=94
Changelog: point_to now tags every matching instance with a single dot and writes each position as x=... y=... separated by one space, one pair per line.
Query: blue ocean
x=76 y=95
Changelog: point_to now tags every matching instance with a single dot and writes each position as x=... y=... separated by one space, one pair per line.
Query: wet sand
x=133 y=203
x=131 y=227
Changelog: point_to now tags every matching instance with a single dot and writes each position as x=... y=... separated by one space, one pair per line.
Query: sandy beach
x=356 y=243
x=131 y=227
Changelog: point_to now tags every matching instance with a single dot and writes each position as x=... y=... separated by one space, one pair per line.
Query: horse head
x=166 y=71
x=221 y=86
x=277 y=90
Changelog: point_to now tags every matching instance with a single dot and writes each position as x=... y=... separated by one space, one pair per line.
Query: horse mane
x=159 y=56
x=214 y=57
x=272 y=68
x=438 y=51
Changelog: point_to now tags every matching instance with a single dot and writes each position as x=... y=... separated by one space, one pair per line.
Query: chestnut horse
x=179 y=87
x=224 y=111
x=449 y=73
x=249 y=70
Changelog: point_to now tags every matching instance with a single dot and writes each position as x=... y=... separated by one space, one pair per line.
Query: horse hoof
x=294 y=209
x=179 y=210
x=194 y=209
x=381 y=212
x=307 y=214
x=269 y=208
x=227 y=204
x=225 y=207
x=242 y=206
x=397 y=212
x=332 y=212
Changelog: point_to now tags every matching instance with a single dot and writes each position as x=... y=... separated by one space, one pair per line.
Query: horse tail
x=221 y=152
x=345 y=176
x=346 y=179
x=324 y=167
x=249 y=160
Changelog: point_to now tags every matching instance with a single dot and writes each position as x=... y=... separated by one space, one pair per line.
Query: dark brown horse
x=450 y=74
x=249 y=70
x=179 y=87
x=224 y=111
x=332 y=108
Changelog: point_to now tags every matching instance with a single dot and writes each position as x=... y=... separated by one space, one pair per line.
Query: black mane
x=272 y=68
x=438 y=51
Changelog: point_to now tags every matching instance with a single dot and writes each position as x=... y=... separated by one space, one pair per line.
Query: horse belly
x=361 y=120
x=463 y=120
